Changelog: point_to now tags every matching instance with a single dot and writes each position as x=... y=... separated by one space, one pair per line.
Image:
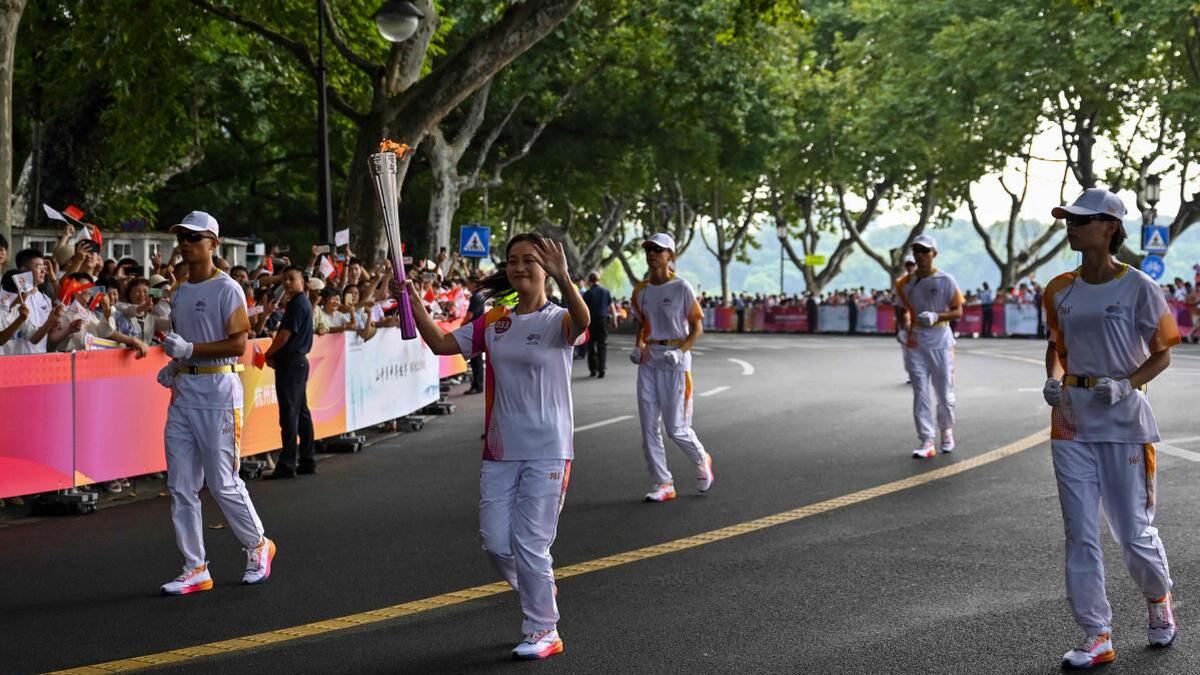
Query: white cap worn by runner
x=662 y=240
x=908 y=258
x=1093 y=202
x=925 y=240
x=198 y=221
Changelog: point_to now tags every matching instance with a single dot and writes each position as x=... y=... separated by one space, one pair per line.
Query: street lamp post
x=396 y=21
x=781 y=232
x=1150 y=193
x=324 y=192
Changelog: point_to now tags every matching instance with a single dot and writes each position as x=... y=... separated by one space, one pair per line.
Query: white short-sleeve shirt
x=663 y=311
x=1106 y=330
x=529 y=413
x=209 y=311
x=934 y=293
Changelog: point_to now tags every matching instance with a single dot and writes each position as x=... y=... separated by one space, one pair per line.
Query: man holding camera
x=288 y=355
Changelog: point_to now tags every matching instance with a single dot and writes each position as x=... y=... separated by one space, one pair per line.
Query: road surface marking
x=603 y=423
x=1178 y=452
x=1177 y=441
x=747 y=369
x=1010 y=357
x=373 y=616
x=714 y=392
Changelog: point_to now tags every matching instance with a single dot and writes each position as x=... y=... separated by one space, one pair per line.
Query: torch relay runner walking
x=1110 y=333
x=671 y=323
x=931 y=300
x=204 y=421
x=529 y=423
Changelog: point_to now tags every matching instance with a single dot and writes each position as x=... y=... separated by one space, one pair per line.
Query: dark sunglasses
x=654 y=249
x=1080 y=221
x=921 y=249
x=190 y=237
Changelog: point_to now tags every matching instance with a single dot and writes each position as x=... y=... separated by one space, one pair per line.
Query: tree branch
x=339 y=41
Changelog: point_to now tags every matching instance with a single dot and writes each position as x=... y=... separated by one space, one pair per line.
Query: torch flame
x=388 y=145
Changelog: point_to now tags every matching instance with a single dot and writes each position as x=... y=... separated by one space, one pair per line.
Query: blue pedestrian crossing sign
x=473 y=241
x=1154 y=266
x=1155 y=238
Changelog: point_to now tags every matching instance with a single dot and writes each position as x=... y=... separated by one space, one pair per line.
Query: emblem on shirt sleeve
x=502 y=325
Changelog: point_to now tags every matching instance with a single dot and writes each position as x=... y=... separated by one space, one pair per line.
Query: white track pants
x=926 y=367
x=666 y=395
x=519 y=503
x=1121 y=477
x=202 y=449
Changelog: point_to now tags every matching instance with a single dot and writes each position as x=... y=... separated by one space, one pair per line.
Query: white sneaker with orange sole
x=1162 y=629
x=539 y=645
x=704 y=474
x=661 y=493
x=193 y=580
x=258 y=562
x=1095 y=650
x=925 y=451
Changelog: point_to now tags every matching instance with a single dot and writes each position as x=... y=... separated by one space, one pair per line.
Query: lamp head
x=397 y=20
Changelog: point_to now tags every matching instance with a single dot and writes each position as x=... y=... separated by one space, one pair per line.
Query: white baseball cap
x=908 y=258
x=662 y=240
x=925 y=240
x=1093 y=202
x=315 y=284
x=198 y=221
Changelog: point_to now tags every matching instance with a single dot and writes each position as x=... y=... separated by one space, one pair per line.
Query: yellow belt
x=675 y=343
x=211 y=370
x=1084 y=382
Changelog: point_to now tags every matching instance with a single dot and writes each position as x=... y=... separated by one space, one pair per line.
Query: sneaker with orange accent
x=925 y=451
x=1095 y=650
x=538 y=645
x=948 y=440
x=661 y=493
x=1162 y=628
x=704 y=474
x=258 y=562
x=193 y=580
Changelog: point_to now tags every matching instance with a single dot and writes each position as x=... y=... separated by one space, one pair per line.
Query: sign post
x=474 y=241
x=1154 y=266
x=1155 y=239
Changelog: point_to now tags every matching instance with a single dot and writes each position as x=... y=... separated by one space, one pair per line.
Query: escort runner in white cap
x=528 y=445
x=204 y=422
x=1111 y=332
x=671 y=323
x=931 y=300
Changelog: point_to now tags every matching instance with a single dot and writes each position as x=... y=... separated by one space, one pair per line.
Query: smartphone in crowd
x=283 y=248
x=156 y=292
x=322 y=248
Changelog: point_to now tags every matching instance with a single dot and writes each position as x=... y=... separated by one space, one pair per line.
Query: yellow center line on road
x=467 y=595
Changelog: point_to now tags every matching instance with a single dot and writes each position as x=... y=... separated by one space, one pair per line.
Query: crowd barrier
x=1007 y=319
x=95 y=416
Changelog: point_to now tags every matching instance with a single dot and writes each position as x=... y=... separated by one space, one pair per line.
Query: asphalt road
x=957 y=575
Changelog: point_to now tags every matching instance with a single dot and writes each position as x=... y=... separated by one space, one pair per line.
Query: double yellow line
x=458 y=597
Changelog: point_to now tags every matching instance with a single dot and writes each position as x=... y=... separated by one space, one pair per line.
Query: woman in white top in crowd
x=1111 y=332
x=528 y=444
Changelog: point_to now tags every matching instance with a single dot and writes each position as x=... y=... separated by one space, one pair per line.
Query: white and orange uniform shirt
x=529 y=412
x=664 y=311
x=209 y=311
x=1106 y=330
x=937 y=292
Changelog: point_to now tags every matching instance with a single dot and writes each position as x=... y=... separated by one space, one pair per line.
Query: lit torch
x=383 y=171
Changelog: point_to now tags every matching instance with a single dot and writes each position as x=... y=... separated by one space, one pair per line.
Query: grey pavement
x=959 y=575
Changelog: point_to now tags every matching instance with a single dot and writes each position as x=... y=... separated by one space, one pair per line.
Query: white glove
x=1052 y=392
x=673 y=356
x=1110 y=391
x=927 y=318
x=902 y=337
x=166 y=376
x=636 y=356
x=176 y=347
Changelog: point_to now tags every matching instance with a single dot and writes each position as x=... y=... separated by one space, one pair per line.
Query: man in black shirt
x=288 y=355
x=600 y=305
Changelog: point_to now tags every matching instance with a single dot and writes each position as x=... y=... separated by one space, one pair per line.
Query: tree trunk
x=725 y=294
x=444 y=194
x=10 y=21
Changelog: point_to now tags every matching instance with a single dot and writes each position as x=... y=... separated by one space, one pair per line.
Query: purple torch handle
x=384 y=170
x=408 y=325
